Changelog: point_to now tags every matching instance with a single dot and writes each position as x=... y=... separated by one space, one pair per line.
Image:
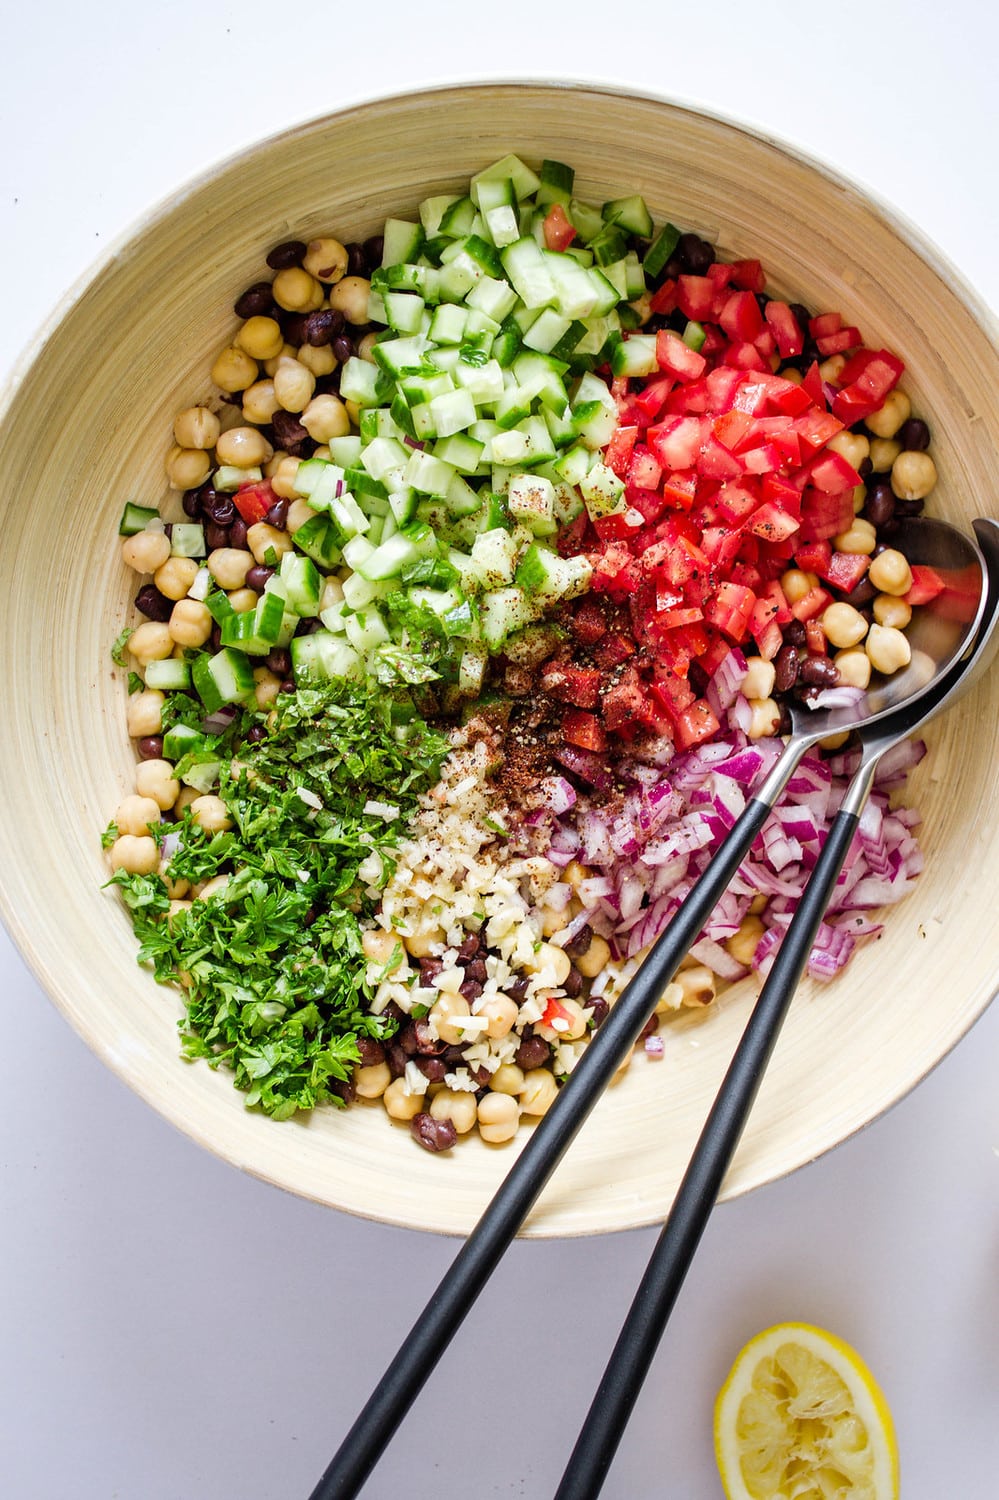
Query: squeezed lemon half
x=801 y=1417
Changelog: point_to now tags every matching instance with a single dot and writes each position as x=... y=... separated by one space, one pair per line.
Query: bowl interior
x=87 y=427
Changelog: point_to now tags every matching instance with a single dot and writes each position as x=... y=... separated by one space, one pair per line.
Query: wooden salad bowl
x=86 y=426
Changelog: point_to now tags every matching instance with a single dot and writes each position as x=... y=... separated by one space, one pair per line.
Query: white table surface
x=171 y=1330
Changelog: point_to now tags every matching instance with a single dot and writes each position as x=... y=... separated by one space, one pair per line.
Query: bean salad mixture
x=487 y=574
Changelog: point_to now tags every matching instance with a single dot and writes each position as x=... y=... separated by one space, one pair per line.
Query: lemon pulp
x=801 y=1417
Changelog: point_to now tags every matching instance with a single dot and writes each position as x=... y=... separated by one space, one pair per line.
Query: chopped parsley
x=273 y=970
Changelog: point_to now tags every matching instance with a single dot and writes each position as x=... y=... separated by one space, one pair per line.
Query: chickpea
x=293 y=385
x=144 y=715
x=243 y=447
x=190 y=623
x=796 y=584
x=499 y=1116
x=573 y=1024
x=175 y=889
x=146 y=551
x=325 y=417
x=742 y=945
x=426 y=934
x=765 y=717
x=175 y=577
x=548 y=956
x=889 y=610
x=283 y=482
x=861 y=539
x=508 y=1079
x=378 y=945
x=888 y=649
x=332 y=593
x=186 y=468
x=444 y=1013
x=456 y=1105
x=366 y=348
x=135 y=813
x=538 y=1094
x=296 y=291
x=286 y=351
x=854 y=667
x=211 y=813
x=575 y=873
x=859 y=498
x=137 y=855
x=913 y=475
x=243 y=599
x=350 y=296
x=890 y=572
x=895 y=409
x=844 y=626
x=354 y=413
x=177 y=909
x=372 y=1081
x=319 y=359
x=196 y=427
x=325 y=259
x=150 y=641
x=266 y=541
x=261 y=338
x=186 y=797
x=759 y=680
x=398 y=1104
x=596 y=957
x=209 y=888
x=852 y=446
x=835 y=741
x=155 y=779
x=229 y=566
x=234 y=370
x=698 y=985
x=884 y=452
x=831 y=369
x=268 y=687
x=501 y=1013
x=260 y=402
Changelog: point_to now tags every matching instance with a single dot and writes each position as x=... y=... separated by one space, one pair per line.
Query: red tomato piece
x=732 y=427
x=811 y=605
x=624 y=701
x=748 y=274
x=736 y=501
x=845 y=570
x=555 y=1011
x=618 y=452
x=812 y=385
x=579 y=686
x=253 y=500
x=680 y=490
x=674 y=693
x=830 y=472
x=677 y=357
x=695 y=724
x=731 y=609
x=786 y=328
x=815 y=638
x=745 y=356
x=771 y=524
x=716 y=462
x=612 y=650
x=815 y=428
x=643 y=470
x=583 y=730
x=676 y=442
x=663 y=299
x=720 y=272
x=588 y=623
x=782 y=493
x=926 y=585
x=740 y=317
x=648 y=403
x=840 y=342
x=696 y=296
x=825 y=324
x=558 y=229
x=813 y=557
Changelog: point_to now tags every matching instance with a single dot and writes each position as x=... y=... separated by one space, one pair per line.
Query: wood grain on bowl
x=86 y=427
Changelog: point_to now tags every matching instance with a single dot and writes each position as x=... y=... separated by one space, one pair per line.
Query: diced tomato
x=674 y=693
x=771 y=524
x=680 y=490
x=588 y=623
x=781 y=493
x=731 y=609
x=696 y=296
x=583 y=730
x=619 y=449
x=826 y=323
x=811 y=384
x=558 y=1016
x=720 y=272
x=579 y=686
x=732 y=427
x=824 y=515
x=926 y=585
x=787 y=330
x=572 y=538
x=815 y=428
x=650 y=401
x=663 y=299
x=254 y=500
x=813 y=557
x=643 y=470
x=769 y=639
x=790 y=399
x=673 y=619
x=830 y=472
x=744 y=571
x=559 y=231
x=723 y=385
x=745 y=356
x=748 y=274
x=716 y=462
x=740 y=317
x=839 y=342
x=857 y=364
x=678 y=358
x=676 y=442
x=695 y=724
x=813 y=603
x=624 y=700
x=721 y=546
x=845 y=570
x=737 y=501
x=762 y=460
x=815 y=637
x=612 y=650
x=864 y=394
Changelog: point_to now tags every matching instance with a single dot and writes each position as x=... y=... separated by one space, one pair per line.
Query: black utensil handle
x=649 y=1313
x=517 y=1193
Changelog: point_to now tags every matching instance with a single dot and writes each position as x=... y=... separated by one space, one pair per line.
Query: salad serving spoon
x=939 y=635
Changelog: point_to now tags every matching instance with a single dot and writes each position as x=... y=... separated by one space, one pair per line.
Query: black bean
x=580 y=943
x=356 y=264
x=328 y=385
x=343 y=348
x=469 y=947
x=374 y=249
x=476 y=969
x=914 y=435
x=801 y=316
x=673 y=268
x=237 y=534
x=862 y=594
x=153 y=604
x=216 y=536
x=573 y=983
x=879 y=505
x=288 y=686
x=279 y=661
x=192 y=504
x=650 y=1028
x=256 y=733
x=150 y=747
x=433 y=1135
x=427 y=1043
x=288 y=253
x=818 y=671
x=219 y=507
x=785 y=669
x=342 y=1088
x=406 y=1038
x=371 y=1050
x=784 y=725
x=533 y=1052
x=695 y=254
x=396 y=1058
x=865 y=468
x=795 y=633
x=289 y=432
x=293 y=326
x=216 y=637
x=517 y=988
x=256 y=302
x=601 y=1010
x=258 y=576
x=277 y=516
x=434 y=1069
x=453 y=1057
x=909 y=507
x=322 y=326
x=470 y=989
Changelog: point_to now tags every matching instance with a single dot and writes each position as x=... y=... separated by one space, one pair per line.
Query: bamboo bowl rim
x=307 y=1159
